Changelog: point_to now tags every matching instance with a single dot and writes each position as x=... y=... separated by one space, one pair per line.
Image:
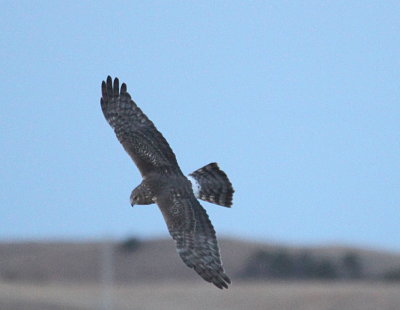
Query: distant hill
x=133 y=260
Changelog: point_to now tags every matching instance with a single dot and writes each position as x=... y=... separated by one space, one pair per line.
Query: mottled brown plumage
x=164 y=183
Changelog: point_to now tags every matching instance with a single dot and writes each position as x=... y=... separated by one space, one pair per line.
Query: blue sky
x=297 y=101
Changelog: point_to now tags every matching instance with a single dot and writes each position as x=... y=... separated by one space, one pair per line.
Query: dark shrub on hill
x=129 y=245
x=325 y=269
x=280 y=264
x=392 y=275
x=352 y=266
x=263 y=264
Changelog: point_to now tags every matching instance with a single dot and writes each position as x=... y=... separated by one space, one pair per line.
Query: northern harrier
x=164 y=184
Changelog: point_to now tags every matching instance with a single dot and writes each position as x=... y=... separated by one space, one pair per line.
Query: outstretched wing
x=138 y=135
x=196 y=243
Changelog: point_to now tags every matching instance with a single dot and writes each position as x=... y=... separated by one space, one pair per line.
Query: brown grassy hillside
x=148 y=261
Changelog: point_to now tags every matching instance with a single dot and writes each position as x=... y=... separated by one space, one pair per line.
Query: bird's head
x=140 y=196
x=134 y=199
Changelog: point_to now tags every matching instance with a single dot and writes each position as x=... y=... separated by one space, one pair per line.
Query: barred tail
x=212 y=184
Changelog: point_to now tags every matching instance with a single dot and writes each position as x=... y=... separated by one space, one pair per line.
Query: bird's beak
x=132 y=203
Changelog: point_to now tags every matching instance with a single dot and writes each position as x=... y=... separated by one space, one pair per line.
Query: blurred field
x=154 y=260
x=149 y=275
x=262 y=296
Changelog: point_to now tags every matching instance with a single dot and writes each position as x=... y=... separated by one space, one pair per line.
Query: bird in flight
x=164 y=183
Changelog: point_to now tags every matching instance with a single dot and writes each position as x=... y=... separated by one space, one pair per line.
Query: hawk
x=164 y=183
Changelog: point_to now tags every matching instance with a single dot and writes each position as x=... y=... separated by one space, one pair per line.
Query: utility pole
x=107 y=274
